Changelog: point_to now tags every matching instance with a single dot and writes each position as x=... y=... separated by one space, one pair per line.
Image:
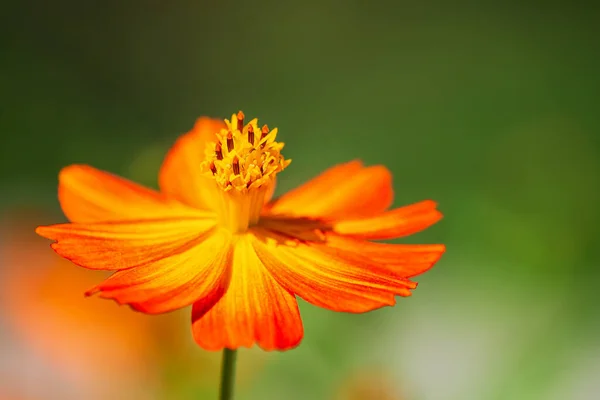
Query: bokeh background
x=490 y=109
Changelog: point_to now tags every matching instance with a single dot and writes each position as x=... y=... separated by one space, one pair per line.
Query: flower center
x=244 y=161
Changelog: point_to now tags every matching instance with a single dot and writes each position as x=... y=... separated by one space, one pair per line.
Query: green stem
x=228 y=374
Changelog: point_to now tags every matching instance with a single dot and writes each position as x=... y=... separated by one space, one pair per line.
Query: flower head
x=213 y=238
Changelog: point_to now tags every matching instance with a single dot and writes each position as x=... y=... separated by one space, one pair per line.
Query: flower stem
x=228 y=374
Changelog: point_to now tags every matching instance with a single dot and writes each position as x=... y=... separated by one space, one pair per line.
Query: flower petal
x=121 y=245
x=87 y=194
x=200 y=274
x=344 y=191
x=395 y=223
x=180 y=175
x=330 y=277
x=255 y=309
x=401 y=260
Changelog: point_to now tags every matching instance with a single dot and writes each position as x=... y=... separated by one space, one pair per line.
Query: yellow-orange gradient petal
x=255 y=309
x=180 y=175
x=330 y=277
x=395 y=223
x=344 y=191
x=122 y=245
x=87 y=194
x=400 y=260
x=198 y=274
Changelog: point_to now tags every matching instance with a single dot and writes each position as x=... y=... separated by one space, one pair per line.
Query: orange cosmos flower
x=78 y=345
x=212 y=237
x=367 y=385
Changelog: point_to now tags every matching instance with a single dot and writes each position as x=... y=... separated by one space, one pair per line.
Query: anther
x=251 y=135
x=240 y=121
x=229 y=141
x=264 y=132
x=213 y=168
x=236 y=165
x=218 y=151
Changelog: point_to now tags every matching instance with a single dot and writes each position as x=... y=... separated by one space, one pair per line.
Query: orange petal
x=344 y=191
x=396 y=223
x=87 y=194
x=180 y=175
x=328 y=277
x=401 y=260
x=255 y=309
x=121 y=245
x=198 y=274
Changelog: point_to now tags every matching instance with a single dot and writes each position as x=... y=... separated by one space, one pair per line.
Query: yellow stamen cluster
x=244 y=156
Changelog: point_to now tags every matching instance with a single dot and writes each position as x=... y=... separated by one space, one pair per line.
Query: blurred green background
x=490 y=109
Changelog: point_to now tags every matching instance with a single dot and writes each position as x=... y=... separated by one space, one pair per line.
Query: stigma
x=244 y=156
